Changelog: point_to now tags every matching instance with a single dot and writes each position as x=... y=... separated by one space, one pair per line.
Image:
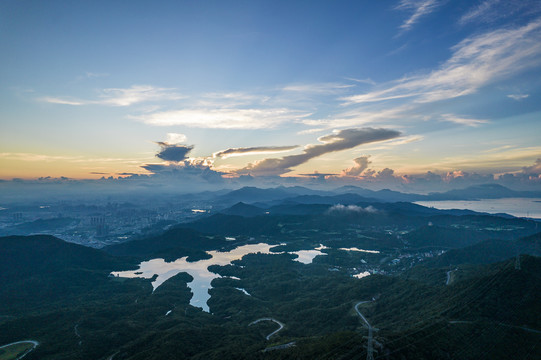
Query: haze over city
x=411 y=95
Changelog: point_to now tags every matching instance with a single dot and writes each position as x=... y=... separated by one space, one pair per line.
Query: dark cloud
x=257 y=149
x=184 y=171
x=173 y=152
x=361 y=164
x=340 y=140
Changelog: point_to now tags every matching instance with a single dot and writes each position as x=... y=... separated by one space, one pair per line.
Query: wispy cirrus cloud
x=137 y=94
x=420 y=8
x=223 y=118
x=479 y=11
x=362 y=81
x=318 y=88
x=63 y=101
x=488 y=11
x=229 y=99
x=476 y=62
x=120 y=96
x=31 y=157
x=224 y=154
x=91 y=75
x=463 y=120
x=38 y=157
x=395 y=142
x=357 y=117
x=518 y=97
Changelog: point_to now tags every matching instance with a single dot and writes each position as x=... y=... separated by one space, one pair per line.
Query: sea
x=519 y=207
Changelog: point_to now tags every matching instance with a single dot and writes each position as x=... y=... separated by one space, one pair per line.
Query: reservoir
x=202 y=277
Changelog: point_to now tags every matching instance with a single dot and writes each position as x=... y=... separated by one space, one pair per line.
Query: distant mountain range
x=352 y=194
x=315 y=204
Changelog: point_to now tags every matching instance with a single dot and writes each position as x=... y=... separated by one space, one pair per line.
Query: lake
x=519 y=207
x=202 y=277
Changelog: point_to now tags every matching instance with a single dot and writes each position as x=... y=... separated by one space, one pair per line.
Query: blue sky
x=284 y=88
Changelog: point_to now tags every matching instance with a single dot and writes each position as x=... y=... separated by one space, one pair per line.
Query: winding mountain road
x=359 y=313
x=35 y=343
x=370 y=348
x=269 y=319
x=449 y=276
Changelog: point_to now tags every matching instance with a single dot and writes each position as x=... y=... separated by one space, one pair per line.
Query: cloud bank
x=339 y=140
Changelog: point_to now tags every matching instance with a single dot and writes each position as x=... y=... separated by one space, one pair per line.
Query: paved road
x=280 y=347
x=269 y=319
x=35 y=343
x=361 y=315
x=370 y=348
x=449 y=276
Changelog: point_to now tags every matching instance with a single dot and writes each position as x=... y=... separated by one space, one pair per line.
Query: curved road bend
x=269 y=319
x=449 y=276
x=35 y=343
x=370 y=347
x=361 y=315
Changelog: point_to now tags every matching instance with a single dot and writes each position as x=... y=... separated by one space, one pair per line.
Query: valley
x=283 y=281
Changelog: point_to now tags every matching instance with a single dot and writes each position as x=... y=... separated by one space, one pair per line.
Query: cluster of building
x=94 y=225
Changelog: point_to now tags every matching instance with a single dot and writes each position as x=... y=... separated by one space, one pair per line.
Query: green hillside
x=61 y=295
x=170 y=245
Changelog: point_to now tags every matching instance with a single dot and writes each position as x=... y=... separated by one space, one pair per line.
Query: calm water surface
x=520 y=207
x=202 y=277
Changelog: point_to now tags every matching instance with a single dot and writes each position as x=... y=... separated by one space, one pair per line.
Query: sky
x=400 y=93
